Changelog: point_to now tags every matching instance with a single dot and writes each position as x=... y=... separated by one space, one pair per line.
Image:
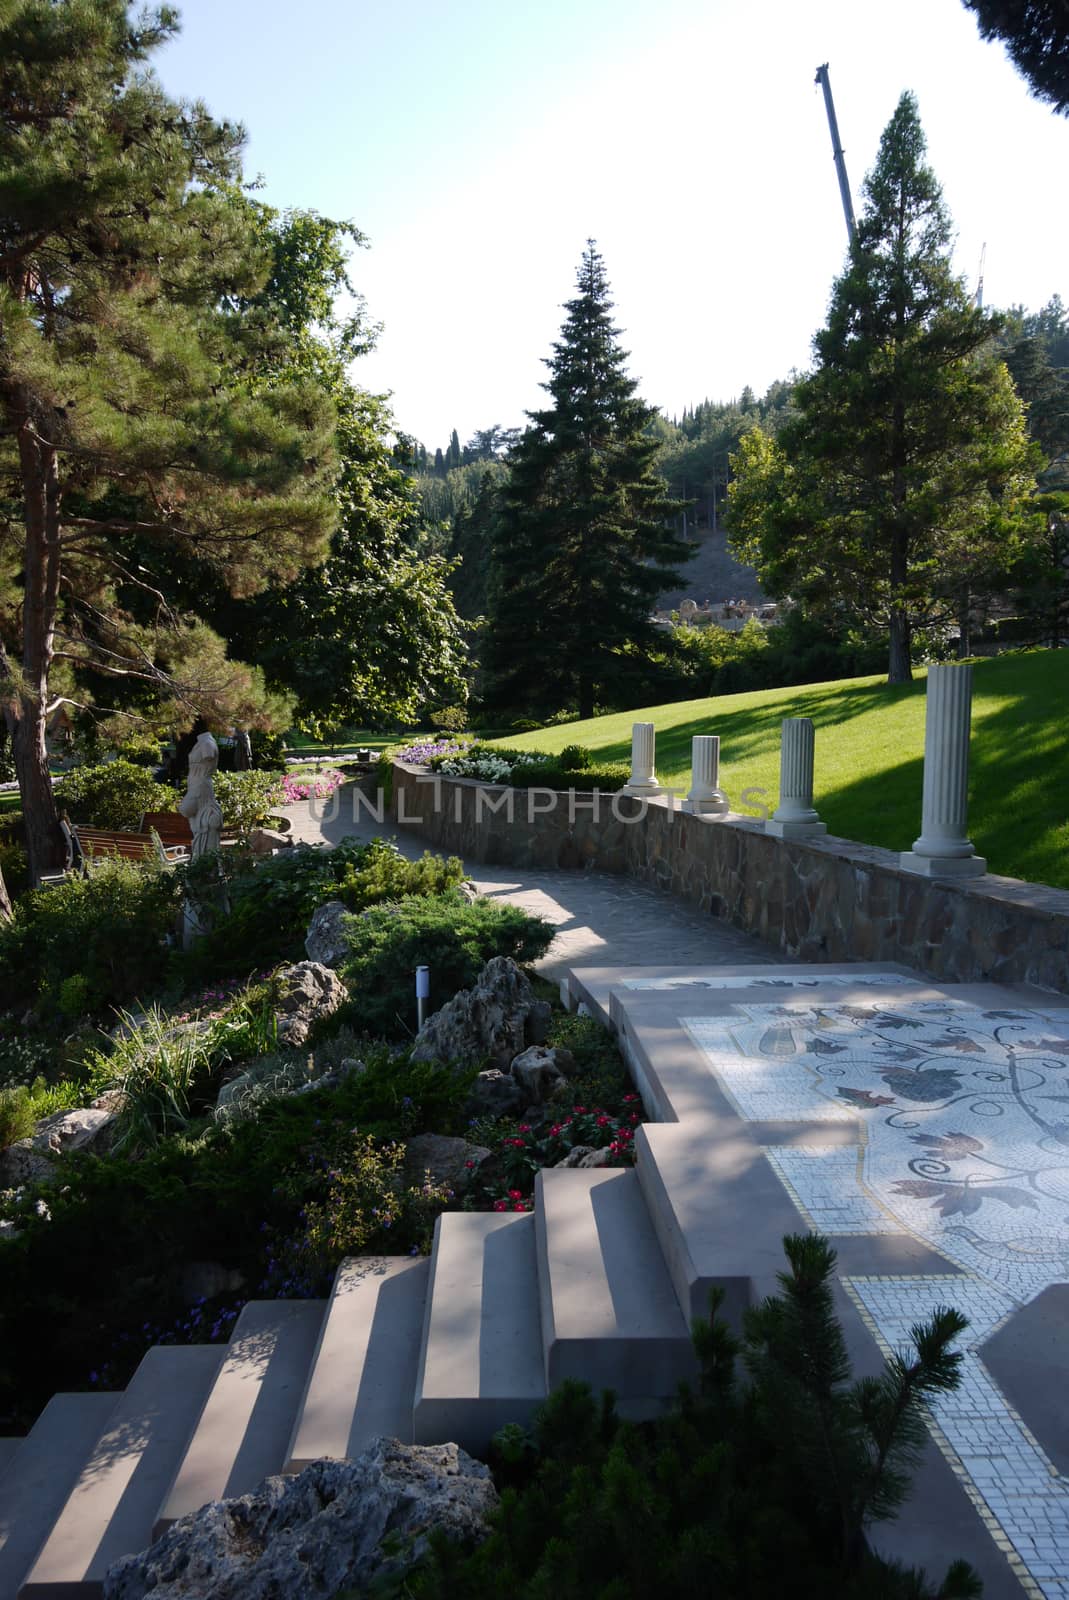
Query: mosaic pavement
x=963 y=1142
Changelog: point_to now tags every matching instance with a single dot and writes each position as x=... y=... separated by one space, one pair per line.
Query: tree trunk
x=586 y=699
x=5 y=900
x=900 y=668
x=29 y=703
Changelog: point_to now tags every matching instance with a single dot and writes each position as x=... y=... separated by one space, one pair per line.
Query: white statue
x=199 y=803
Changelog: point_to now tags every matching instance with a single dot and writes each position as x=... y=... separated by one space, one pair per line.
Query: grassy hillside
x=869 y=755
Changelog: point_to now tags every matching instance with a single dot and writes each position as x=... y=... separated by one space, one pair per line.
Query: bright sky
x=479 y=143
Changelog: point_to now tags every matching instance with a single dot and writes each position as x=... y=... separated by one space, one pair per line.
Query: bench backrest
x=172 y=827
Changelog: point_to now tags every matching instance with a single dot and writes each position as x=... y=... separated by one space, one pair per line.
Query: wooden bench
x=175 y=832
x=99 y=843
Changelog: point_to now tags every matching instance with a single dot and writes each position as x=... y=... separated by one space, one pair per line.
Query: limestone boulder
x=452 y=1162
x=307 y=992
x=538 y=1073
x=325 y=940
x=90 y=1128
x=575 y=1156
x=495 y=1094
x=265 y=841
x=338 y=1525
x=491 y=1023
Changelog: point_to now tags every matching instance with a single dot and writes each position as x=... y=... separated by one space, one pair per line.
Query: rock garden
x=183 y=1129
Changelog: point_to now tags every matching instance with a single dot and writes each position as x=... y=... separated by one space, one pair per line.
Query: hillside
x=869 y=755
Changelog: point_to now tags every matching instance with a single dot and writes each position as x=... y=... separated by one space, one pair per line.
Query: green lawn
x=9 y=800
x=350 y=740
x=869 y=755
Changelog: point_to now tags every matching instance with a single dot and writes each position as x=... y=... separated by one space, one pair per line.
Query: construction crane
x=837 y=152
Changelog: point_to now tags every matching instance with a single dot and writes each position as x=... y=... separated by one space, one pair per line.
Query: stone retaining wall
x=819 y=900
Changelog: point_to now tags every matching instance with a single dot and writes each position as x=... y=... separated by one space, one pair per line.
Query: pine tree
x=583 y=545
x=142 y=399
x=892 y=493
x=1036 y=35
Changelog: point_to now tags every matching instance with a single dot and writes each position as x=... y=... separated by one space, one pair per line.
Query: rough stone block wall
x=821 y=900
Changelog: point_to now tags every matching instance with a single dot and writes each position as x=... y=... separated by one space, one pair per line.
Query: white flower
x=42 y=1211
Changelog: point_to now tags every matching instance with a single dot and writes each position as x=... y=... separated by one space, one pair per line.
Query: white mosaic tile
x=823 y=1184
x=995 y=1451
x=964 y=1143
x=965 y=1114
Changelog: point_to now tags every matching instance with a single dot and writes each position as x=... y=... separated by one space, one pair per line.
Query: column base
x=711 y=807
x=942 y=866
x=795 y=830
x=642 y=788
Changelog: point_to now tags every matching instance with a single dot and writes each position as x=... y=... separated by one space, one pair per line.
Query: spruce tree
x=142 y=401
x=892 y=494
x=584 y=543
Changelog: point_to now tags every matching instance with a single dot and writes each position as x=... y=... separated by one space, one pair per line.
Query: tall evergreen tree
x=1036 y=35
x=583 y=545
x=892 y=493
x=132 y=408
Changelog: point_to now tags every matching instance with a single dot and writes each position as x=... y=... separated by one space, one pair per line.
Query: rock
x=491 y=1023
x=451 y=1162
x=29 y=1160
x=265 y=841
x=205 y=1280
x=325 y=941
x=537 y=1074
x=575 y=1156
x=494 y=1094
x=88 y=1128
x=317 y=1533
x=22 y=1163
x=598 y=1158
x=468 y=891
x=307 y=992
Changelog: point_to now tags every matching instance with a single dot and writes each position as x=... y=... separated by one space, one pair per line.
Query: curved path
x=602 y=919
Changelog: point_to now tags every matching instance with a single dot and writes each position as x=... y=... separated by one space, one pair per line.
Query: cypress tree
x=583 y=545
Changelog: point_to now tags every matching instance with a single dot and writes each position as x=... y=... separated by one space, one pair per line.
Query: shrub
x=268 y=751
x=142 y=752
x=450 y=719
x=537 y=775
x=453 y=938
x=111 y=928
x=115 y=794
x=574 y=758
x=247 y=798
x=16 y=1115
x=272 y=903
x=15 y=866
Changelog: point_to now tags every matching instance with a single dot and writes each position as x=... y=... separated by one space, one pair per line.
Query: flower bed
x=320 y=787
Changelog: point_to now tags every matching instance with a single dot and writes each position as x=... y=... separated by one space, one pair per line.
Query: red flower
x=501 y=1205
x=515 y=1194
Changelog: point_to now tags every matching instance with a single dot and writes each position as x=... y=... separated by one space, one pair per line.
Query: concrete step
x=112 y=1507
x=363 y=1374
x=244 y=1431
x=38 y=1477
x=609 y=1310
x=8 y=1448
x=481 y=1355
x=703 y=1194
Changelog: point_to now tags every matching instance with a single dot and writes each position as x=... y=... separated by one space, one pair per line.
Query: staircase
x=599 y=1283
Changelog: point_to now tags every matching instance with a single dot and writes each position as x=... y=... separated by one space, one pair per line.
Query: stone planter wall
x=820 y=900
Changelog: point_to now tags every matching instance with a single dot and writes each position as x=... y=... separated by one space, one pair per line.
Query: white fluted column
x=643 y=779
x=706 y=798
x=795 y=817
x=944 y=848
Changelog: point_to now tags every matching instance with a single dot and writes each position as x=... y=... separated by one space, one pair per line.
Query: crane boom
x=837 y=151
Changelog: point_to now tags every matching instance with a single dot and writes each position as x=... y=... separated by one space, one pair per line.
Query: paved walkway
x=602 y=919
